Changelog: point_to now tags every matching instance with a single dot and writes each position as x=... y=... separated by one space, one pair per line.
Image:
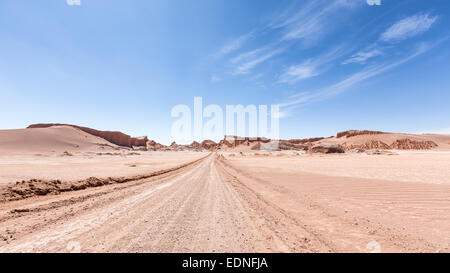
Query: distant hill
x=117 y=138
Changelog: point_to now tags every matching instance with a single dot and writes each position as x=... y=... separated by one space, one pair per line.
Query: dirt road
x=205 y=207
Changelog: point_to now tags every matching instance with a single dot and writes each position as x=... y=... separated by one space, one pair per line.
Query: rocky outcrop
x=247 y=141
x=401 y=144
x=139 y=141
x=208 y=145
x=407 y=144
x=288 y=145
x=352 y=133
x=370 y=145
x=195 y=145
x=256 y=147
x=117 y=138
x=327 y=149
x=154 y=146
x=224 y=144
x=306 y=140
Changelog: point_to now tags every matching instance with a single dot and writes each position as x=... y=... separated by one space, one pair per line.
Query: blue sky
x=123 y=65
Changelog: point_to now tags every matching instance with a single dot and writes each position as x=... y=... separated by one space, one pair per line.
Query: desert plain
x=66 y=188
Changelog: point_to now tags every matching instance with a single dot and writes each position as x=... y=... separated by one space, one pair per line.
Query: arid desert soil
x=71 y=168
x=235 y=204
x=402 y=202
x=230 y=201
x=68 y=154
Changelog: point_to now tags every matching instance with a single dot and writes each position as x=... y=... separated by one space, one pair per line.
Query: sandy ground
x=218 y=202
x=402 y=200
x=198 y=209
x=70 y=154
x=78 y=167
x=235 y=204
x=408 y=166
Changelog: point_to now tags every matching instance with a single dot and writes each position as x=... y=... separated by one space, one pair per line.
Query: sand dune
x=56 y=139
x=69 y=154
x=115 y=137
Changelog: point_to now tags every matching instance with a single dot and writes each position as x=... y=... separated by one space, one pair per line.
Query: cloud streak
x=312 y=67
x=312 y=21
x=408 y=27
x=362 y=56
x=299 y=72
x=247 y=61
x=344 y=85
x=235 y=44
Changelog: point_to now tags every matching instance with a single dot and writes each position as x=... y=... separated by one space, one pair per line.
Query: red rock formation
x=352 y=133
x=306 y=140
x=117 y=138
x=209 y=145
x=407 y=144
x=327 y=149
x=154 y=146
x=370 y=145
x=236 y=141
x=195 y=145
x=139 y=141
x=288 y=145
x=256 y=147
x=225 y=144
x=401 y=144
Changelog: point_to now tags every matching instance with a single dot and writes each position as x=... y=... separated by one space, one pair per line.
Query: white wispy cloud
x=311 y=21
x=247 y=61
x=306 y=23
x=401 y=30
x=344 y=85
x=408 y=27
x=235 y=44
x=312 y=67
x=362 y=56
x=246 y=55
x=299 y=72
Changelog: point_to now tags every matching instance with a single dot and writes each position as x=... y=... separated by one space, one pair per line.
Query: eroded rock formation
x=407 y=144
x=116 y=137
x=352 y=133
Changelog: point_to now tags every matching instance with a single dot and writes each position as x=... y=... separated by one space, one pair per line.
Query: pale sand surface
x=407 y=194
x=69 y=154
x=78 y=167
x=217 y=206
x=271 y=202
x=408 y=166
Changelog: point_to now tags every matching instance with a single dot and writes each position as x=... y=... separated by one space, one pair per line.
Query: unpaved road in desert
x=205 y=207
